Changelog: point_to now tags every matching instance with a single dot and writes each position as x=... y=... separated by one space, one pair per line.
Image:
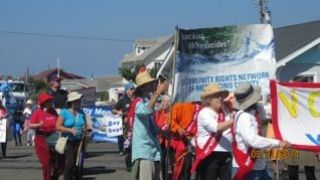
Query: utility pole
x=58 y=66
x=265 y=14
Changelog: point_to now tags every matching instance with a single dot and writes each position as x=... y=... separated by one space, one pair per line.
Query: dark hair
x=145 y=89
x=69 y=104
x=252 y=107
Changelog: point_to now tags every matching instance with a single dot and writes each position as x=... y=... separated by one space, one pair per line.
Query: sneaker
x=121 y=153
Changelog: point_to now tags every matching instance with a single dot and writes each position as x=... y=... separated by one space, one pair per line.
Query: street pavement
x=102 y=163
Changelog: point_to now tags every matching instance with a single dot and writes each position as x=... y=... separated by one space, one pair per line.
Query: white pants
x=149 y=170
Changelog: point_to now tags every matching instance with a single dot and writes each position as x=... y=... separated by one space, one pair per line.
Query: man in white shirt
x=247 y=137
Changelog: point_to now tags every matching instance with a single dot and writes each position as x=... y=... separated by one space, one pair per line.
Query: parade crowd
x=218 y=137
x=56 y=127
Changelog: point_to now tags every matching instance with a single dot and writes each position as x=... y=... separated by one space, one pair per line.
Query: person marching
x=246 y=133
x=72 y=123
x=145 y=144
x=213 y=139
x=59 y=95
x=183 y=129
x=16 y=126
x=122 y=108
x=43 y=120
x=27 y=112
x=161 y=116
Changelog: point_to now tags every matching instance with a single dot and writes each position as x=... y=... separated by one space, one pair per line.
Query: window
x=157 y=65
x=304 y=78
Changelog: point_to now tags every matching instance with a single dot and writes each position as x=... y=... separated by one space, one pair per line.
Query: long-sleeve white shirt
x=208 y=124
x=246 y=130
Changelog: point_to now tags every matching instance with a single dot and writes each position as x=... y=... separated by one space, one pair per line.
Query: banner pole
x=169 y=163
x=277 y=175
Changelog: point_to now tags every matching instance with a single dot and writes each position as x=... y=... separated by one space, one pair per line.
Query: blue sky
x=129 y=20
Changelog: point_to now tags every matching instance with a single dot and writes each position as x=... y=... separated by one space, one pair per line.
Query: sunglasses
x=132 y=89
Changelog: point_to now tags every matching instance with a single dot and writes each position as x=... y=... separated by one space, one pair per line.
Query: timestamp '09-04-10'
x=275 y=154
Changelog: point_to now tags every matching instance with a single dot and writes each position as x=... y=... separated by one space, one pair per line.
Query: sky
x=109 y=19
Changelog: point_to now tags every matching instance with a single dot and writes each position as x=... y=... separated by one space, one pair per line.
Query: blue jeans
x=16 y=128
x=259 y=175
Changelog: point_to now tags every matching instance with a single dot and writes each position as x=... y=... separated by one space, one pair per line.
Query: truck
x=13 y=93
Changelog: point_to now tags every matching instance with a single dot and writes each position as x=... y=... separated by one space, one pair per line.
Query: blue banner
x=99 y=116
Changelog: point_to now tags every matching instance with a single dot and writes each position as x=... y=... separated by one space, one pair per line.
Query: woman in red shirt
x=43 y=120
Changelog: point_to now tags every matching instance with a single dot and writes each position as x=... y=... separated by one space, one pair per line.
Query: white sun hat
x=74 y=96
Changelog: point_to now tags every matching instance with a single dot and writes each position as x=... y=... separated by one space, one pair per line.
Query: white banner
x=114 y=126
x=226 y=56
x=296 y=114
x=3 y=130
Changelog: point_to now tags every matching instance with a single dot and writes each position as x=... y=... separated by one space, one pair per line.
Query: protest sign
x=226 y=56
x=3 y=130
x=296 y=114
x=114 y=126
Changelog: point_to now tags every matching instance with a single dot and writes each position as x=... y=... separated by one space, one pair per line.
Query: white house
x=150 y=52
x=298 y=52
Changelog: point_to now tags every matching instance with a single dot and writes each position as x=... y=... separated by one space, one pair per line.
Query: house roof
x=63 y=74
x=289 y=39
x=101 y=83
x=157 y=47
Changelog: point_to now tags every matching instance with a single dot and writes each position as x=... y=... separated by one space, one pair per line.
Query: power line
x=66 y=36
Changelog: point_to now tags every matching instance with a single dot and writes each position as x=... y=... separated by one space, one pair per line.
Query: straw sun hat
x=213 y=90
x=246 y=95
x=143 y=78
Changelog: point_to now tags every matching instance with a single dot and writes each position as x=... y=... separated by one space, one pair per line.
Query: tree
x=36 y=87
x=130 y=73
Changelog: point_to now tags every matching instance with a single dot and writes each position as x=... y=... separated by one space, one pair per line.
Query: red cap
x=43 y=97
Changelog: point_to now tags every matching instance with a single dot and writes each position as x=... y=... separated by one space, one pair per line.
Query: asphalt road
x=102 y=163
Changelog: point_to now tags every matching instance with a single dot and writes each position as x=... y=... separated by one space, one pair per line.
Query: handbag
x=52 y=139
x=61 y=144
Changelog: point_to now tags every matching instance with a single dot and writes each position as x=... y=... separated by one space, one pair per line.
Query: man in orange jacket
x=183 y=128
